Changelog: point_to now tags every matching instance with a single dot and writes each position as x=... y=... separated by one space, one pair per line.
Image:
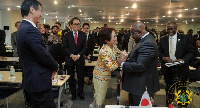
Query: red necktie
x=75 y=38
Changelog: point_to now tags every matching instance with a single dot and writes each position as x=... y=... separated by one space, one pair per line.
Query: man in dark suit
x=89 y=46
x=174 y=47
x=14 y=39
x=97 y=37
x=140 y=68
x=75 y=45
x=38 y=65
x=2 y=41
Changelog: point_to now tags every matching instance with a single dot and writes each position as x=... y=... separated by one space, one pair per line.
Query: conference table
x=18 y=80
x=9 y=59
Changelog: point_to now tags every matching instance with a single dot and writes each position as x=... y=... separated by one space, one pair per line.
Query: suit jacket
x=71 y=48
x=97 y=38
x=140 y=69
x=36 y=61
x=183 y=51
x=90 y=45
x=2 y=41
x=14 y=43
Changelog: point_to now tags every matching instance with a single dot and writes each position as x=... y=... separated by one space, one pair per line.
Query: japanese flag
x=145 y=100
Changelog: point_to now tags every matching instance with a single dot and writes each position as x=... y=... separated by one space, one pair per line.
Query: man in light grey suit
x=14 y=39
x=140 y=68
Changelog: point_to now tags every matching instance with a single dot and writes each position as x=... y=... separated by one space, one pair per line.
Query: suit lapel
x=178 y=44
x=167 y=45
x=79 y=38
x=72 y=38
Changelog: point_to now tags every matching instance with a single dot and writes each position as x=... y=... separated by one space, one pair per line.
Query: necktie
x=75 y=38
x=172 y=52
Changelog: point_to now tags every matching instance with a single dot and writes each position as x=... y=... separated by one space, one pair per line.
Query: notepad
x=1 y=76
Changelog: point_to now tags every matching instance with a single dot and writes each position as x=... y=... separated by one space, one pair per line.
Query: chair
x=7 y=89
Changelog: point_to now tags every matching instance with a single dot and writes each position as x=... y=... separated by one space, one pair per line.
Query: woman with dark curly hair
x=106 y=64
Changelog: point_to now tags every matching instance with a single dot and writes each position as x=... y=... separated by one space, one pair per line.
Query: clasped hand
x=75 y=57
x=122 y=58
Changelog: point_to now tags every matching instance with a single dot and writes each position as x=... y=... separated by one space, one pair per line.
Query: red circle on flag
x=144 y=102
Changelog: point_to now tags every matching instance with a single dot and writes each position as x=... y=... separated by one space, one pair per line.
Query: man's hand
x=73 y=57
x=88 y=57
x=181 y=61
x=167 y=59
x=120 y=60
x=53 y=74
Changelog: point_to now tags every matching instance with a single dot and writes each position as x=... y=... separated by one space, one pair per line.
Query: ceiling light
x=195 y=8
x=68 y=20
x=127 y=14
x=175 y=18
x=55 y=2
x=73 y=6
x=81 y=14
x=192 y=20
x=56 y=16
x=103 y=17
x=56 y=20
x=91 y=21
x=109 y=20
x=169 y=12
x=8 y=8
x=122 y=20
x=126 y=7
x=19 y=6
x=186 y=9
x=156 y=26
x=100 y=11
x=163 y=16
x=138 y=21
x=156 y=20
x=68 y=6
x=79 y=10
x=134 y=5
x=180 y=15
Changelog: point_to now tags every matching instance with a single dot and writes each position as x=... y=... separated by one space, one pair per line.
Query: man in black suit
x=97 y=37
x=14 y=39
x=2 y=41
x=75 y=45
x=174 y=47
x=140 y=68
x=38 y=65
x=89 y=46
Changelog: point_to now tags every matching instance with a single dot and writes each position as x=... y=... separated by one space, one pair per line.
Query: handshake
x=122 y=58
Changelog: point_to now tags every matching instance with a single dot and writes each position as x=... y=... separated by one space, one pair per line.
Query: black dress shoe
x=81 y=96
x=73 y=97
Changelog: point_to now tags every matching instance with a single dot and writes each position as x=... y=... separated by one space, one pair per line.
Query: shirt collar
x=173 y=37
x=30 y=22
x=145 y=35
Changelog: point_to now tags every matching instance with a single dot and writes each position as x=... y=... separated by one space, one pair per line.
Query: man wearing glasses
x=75 y=45
x=174 y=47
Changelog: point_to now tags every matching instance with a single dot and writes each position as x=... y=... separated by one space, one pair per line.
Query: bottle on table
x=12 y=71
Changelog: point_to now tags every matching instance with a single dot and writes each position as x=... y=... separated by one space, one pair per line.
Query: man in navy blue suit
x=38 y=65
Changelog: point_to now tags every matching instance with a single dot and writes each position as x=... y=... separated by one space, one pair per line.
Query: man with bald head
x=140 y=68
x=174 y=47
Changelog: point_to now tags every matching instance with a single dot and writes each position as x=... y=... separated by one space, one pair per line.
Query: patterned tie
x=172 y=52
x=75 y=38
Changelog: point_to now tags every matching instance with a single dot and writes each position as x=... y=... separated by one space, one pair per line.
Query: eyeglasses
x=76 y=24
x=171 y=29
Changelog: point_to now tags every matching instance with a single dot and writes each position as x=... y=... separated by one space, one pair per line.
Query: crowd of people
x=136 y=51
